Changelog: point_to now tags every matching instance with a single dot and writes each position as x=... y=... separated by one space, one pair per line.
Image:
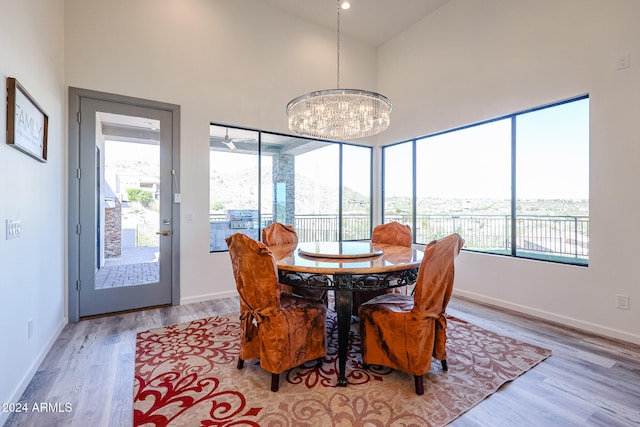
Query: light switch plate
x=14 y=228
x=624 y=61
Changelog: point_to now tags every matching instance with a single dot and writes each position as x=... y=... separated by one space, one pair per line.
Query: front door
x=127 y=202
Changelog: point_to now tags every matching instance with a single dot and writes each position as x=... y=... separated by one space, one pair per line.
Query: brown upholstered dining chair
x=392 y=233
x=404 y=332
x=279 y=234
x=282 y=234
x=283 y=331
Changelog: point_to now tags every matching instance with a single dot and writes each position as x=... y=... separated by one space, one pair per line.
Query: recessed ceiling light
x=345 y=5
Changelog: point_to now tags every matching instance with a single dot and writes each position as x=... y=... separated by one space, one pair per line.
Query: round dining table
x=346 y=267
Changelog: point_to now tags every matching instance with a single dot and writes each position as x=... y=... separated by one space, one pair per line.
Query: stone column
x=284 y=204
x=113 y=231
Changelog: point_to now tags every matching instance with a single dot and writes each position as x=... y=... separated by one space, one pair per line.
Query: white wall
x=241 y=62
x=233 y=62
x=472 y=61
x=32 y=266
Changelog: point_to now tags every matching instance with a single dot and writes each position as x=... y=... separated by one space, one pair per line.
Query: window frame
x=341 y=144
x=514 y=252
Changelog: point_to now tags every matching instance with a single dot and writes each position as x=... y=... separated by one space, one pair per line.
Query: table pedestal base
x=343 y=310
x=344 y=285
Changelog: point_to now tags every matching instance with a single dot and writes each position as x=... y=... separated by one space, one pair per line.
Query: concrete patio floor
x=135 y=266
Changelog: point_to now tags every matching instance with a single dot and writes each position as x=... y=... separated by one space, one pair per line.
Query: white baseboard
x=558 y=318
x=208 y=297
x=28 y=376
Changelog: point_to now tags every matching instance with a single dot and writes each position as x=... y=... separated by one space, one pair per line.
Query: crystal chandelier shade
x=339 y=114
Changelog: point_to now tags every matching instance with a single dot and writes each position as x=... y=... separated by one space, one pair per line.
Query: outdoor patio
x=135 y=266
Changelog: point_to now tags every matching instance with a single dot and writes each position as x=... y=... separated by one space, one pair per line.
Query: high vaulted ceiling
x=371 y=21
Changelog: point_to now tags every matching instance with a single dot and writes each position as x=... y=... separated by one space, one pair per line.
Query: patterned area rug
x=185 y=375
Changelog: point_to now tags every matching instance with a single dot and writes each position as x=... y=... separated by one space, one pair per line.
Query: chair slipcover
x=278 y=234
x=392 y=233
x=281 y=234
x=404 y=332
x=283 y=332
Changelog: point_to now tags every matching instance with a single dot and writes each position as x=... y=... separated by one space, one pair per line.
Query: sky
x=552 y=147
x=475 y=162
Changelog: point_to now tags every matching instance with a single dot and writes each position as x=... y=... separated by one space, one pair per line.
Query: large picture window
x=356 y=192
x=398 y=183
x=552 y=182
x=234 y=173
x=258 y=177
x=517 y=185
x=463 y=185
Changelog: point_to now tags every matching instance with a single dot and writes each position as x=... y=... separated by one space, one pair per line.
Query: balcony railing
x=549 y=237
x=321 y=228
x=537 y=235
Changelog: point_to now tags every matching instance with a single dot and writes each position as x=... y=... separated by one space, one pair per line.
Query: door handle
x=164 y=233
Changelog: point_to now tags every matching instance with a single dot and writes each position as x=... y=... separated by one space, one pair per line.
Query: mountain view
x=239 y=191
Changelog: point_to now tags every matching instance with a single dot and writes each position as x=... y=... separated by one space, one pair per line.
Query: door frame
x=73 y=215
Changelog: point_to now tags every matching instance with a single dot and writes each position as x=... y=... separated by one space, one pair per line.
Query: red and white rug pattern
x=185 y=375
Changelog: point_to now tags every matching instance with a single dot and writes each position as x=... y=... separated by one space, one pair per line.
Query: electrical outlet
x=622 y=302
x=29 y=328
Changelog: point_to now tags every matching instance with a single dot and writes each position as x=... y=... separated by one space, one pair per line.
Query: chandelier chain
x=339 y=114
x=338 y=42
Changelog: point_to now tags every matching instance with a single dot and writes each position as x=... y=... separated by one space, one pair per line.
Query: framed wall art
x=27 y=122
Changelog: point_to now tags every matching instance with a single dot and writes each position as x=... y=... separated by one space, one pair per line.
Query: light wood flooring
x=587 y=381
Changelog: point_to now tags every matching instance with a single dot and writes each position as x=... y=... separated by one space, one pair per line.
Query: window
x=356 y=192
x=517 y=185
x=552 y=183
x=233 y=184
x=398 y=183
x=259 y=177
x=317 y=192
x=463 y=185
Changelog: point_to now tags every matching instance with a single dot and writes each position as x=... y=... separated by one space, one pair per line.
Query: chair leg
x=240 y=363
x=275 y=382
x=444 y=365
x=418 y=379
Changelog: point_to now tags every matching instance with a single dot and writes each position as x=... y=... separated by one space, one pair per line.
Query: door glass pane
x=356 y=192
x=233 y=185
x=128 y=208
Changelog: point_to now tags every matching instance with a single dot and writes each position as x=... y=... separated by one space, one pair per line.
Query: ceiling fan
x=230 y=143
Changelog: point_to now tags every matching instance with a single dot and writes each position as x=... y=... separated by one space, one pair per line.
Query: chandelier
x=339 y=113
